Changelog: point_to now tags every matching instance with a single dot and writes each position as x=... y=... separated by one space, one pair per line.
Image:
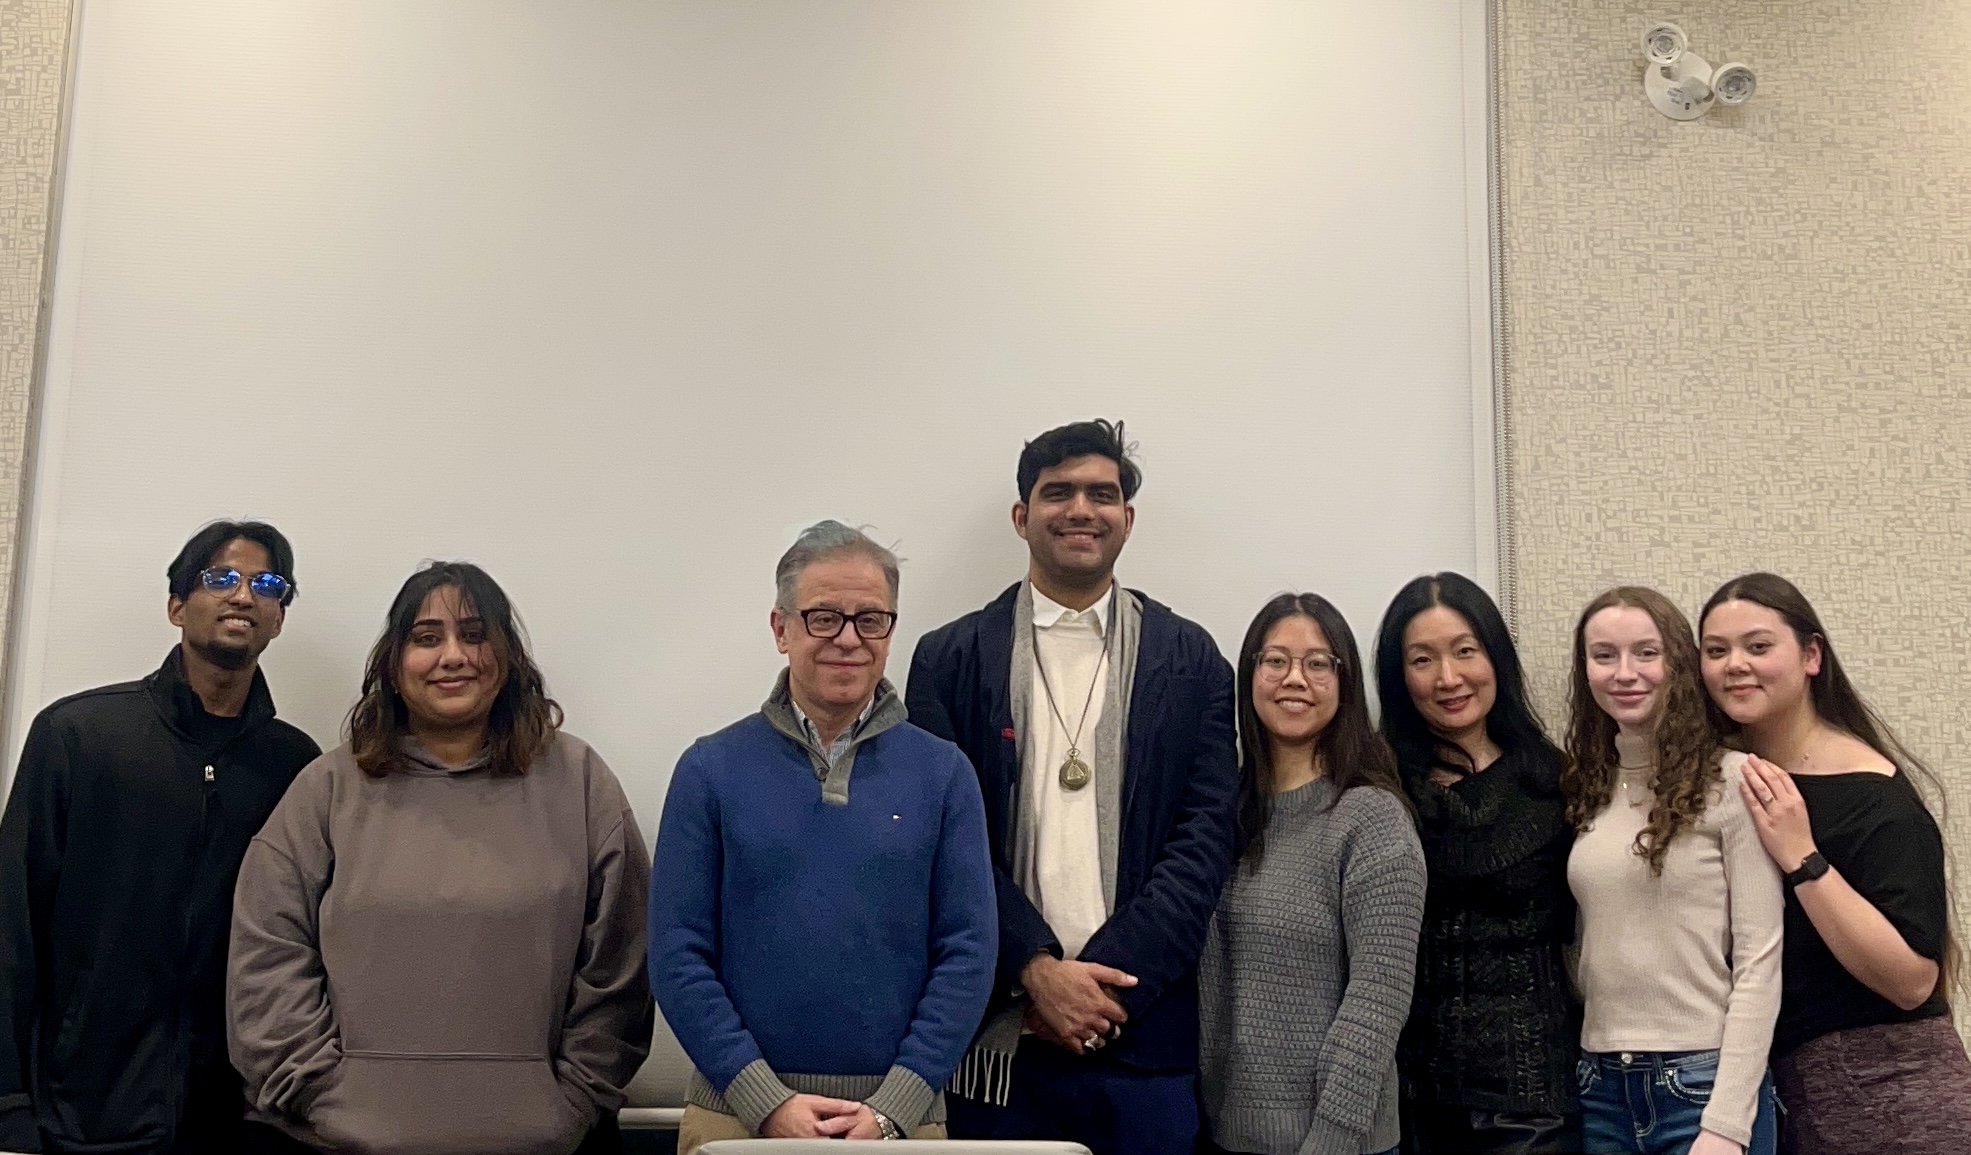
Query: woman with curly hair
x=438 y=938
x=1680 y=908
x=1864 y=1054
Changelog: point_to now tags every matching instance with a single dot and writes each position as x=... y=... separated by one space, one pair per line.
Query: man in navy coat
x=1100 y=724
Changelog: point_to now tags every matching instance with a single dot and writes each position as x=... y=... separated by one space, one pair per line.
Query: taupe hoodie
x=442 y=960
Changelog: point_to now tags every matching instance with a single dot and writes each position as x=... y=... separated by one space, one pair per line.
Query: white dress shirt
x=1067 y=842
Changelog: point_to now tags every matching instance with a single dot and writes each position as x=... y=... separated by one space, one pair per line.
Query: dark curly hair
x=1687 y=747
x=524 y=718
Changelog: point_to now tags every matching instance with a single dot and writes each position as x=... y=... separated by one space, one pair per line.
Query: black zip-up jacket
x=129 y=814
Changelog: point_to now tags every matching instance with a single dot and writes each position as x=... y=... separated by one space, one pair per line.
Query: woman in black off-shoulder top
x=1864 y=1055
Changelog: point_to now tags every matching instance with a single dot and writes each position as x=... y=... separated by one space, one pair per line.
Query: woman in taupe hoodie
x=438 y=938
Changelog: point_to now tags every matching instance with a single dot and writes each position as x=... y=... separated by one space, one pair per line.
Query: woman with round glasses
x=438 y=938
x=1489 y=1056
x=1307 y=969
x=1680 y=907
x=1864 y=1054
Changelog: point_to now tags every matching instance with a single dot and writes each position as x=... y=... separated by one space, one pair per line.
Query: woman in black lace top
x=1488 y=1058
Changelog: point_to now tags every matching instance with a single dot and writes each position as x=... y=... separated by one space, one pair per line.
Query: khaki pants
x=701 y=1127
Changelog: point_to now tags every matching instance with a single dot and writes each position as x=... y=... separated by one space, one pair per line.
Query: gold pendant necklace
x=1075 y=773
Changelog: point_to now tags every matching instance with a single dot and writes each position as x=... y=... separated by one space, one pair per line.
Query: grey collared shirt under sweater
x=1305 y=980
x=844 y=740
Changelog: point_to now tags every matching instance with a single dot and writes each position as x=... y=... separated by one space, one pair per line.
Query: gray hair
x=820 y=542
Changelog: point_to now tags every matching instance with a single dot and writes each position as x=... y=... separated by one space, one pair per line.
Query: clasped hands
x=820 y=1117
x=1072 y=1004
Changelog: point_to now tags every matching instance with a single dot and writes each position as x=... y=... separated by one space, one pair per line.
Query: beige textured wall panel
x=1745 y=342
x=33 y=53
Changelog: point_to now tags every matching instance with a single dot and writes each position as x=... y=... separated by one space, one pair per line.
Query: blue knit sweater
x=796 y=940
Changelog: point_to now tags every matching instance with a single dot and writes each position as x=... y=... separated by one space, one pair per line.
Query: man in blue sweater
x=822 y=920
x=1100 y=724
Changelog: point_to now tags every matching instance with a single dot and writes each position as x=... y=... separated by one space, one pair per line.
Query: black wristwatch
x=1811 y=867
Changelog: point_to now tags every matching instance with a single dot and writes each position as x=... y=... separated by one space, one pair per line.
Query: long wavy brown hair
x=1687 y=747
x=524 y=718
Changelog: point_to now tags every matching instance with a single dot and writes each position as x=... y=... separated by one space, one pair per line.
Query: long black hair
x=1511 y=724
x=1348 y=750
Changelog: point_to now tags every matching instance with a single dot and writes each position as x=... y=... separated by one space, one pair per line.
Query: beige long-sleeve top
x=442 y=960
x=1687 y=960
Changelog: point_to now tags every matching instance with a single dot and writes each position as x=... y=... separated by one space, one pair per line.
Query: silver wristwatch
x=890 y=1130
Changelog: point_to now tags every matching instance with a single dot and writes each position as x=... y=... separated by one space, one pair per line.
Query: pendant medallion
x=1075 y=773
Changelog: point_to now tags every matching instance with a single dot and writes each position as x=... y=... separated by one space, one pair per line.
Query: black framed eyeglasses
x=224 y=579
x=869 y=624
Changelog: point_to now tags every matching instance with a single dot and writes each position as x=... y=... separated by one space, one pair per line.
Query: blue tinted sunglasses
x=224 y=579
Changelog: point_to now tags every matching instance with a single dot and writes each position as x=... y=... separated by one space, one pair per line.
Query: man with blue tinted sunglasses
x=130 y=811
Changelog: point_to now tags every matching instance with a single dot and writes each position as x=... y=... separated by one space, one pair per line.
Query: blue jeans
x=1651 y=1103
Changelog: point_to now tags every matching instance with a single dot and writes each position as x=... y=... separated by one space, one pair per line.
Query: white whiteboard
x=613 y=297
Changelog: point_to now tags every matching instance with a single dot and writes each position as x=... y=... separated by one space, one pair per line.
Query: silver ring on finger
x=1091 y=1043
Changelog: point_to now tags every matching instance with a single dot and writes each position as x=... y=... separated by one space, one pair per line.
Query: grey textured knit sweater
x=1306 y=977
